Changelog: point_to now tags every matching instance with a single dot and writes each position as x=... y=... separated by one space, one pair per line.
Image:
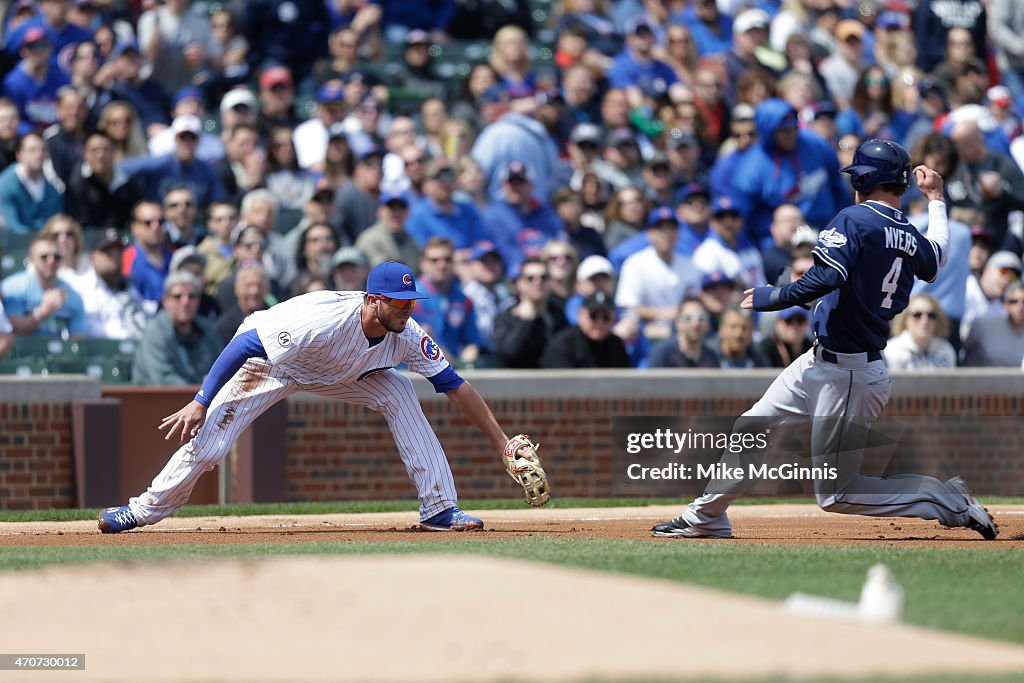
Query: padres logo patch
x=832 y=238
x=284 y=339
x=430 y=350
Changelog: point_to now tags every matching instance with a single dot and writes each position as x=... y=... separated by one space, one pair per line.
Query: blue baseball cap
x=187 y=93
x=125 y=46
x=723 y=204
x=389 y=197
x=662 y=214
x=692 y=189
x=483 y=248
x=394 y=280
x=492 y=95
x=330 y=92
x=715 y=278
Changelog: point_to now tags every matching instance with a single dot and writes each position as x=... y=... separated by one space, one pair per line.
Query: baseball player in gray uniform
x=342 y=345
x=865 y=263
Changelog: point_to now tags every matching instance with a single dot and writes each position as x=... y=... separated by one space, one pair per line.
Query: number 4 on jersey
x=891 y=281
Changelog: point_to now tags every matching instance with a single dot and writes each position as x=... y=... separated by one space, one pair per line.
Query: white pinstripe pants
x=257 y=386
x=846 y=398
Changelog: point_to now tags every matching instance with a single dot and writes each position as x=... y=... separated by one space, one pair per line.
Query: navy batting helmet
x=877 y=162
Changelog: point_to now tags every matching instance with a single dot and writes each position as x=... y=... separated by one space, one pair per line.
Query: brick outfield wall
x=337 y=451
x=36 y=456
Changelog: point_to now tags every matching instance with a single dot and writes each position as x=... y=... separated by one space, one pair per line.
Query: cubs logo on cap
x=393 y=280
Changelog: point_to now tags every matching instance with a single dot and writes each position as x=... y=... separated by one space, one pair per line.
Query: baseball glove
x=522 y=462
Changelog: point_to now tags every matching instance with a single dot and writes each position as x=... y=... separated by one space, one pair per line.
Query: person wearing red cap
x=277 y=100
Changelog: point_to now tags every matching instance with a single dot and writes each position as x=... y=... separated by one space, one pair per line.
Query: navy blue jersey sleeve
x=816 y=282
x=839 y=246
x=240 y=349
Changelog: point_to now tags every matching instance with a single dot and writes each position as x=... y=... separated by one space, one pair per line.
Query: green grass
x=349 y=507
x=952 y=589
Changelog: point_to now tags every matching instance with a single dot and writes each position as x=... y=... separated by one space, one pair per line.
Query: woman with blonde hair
x=74 y=253
x=919 y=337
x=625 y=215
x=510 y=59
x=561 y=260
x=681 y=52
x=120 y=122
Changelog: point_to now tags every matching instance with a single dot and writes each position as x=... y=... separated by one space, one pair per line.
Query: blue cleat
x=452 y=519
x=116 y=520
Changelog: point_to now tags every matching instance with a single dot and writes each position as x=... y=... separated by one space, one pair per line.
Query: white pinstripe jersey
x=318 y=338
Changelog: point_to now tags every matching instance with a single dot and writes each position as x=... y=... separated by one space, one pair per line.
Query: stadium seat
x=48 y=348
x=24 y=366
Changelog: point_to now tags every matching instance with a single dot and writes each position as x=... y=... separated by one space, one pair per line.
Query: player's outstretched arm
x=188 y=420
x=476 y=409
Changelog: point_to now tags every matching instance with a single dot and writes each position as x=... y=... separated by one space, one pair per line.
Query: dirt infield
x=439 y=618
x=788 y=524
x=425 y=618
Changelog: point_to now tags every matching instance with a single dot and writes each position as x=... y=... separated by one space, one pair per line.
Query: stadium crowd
x=592 y=190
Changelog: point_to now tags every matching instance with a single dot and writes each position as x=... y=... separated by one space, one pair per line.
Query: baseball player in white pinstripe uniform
x=343 y=345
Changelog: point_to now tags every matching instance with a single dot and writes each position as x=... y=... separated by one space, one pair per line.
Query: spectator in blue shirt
x=147 y=261
x=636 y=66
x=53 y=20
x=27 y=199
x=150 y=100
x=157 y=175
x=518 y=223
x=440 y=215
x=447 y=316
x=39 y=303
x=786 y=164
x=711 y=30
x=512 y=136
x=34 y=82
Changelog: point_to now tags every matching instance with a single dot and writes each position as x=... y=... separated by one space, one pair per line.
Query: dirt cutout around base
x=773 y=524
x=438 y=618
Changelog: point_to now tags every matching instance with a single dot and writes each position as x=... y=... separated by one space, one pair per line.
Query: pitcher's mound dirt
x=438 y=618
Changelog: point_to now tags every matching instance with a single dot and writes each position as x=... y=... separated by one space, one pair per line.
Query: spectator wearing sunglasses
x=919 y=337
x=178 y=347
x=37 y=301
x=590 y=343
